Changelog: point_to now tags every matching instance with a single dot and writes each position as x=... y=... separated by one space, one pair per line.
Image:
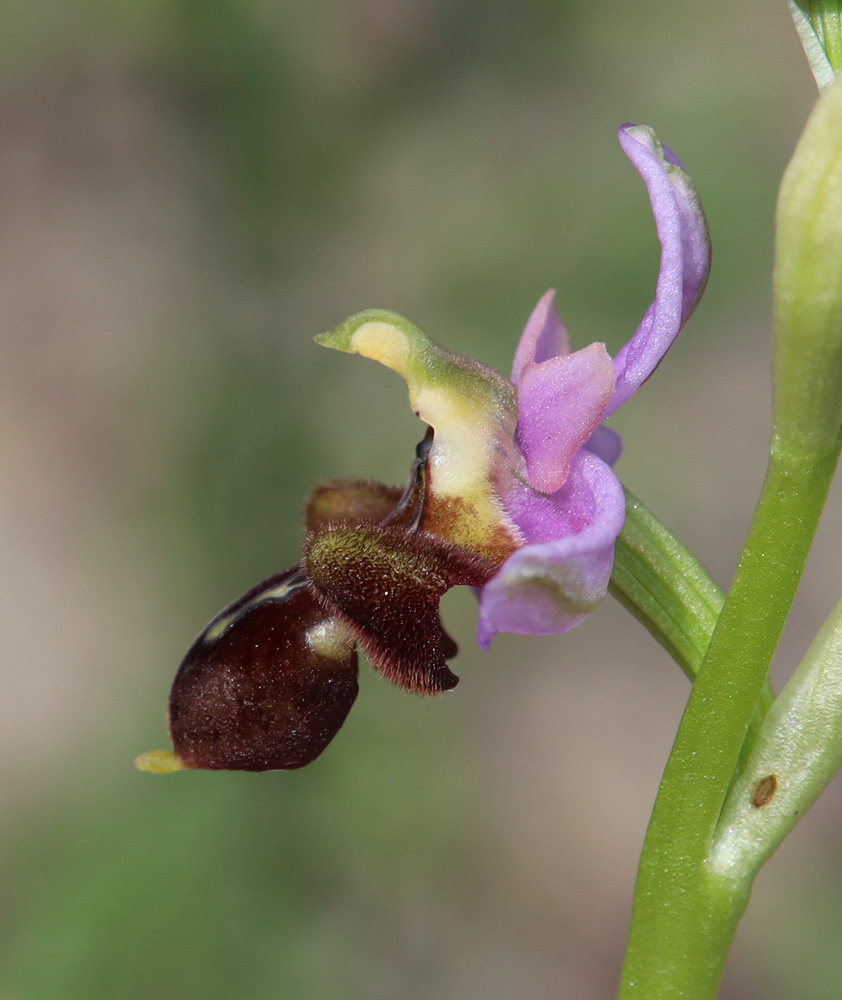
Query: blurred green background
x=190 y=191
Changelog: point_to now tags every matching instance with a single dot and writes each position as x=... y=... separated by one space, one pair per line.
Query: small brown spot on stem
x=764 y=791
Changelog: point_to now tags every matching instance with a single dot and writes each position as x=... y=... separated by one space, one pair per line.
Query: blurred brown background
x=188 y=192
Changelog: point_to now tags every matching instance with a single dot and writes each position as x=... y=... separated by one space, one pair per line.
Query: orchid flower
x=512 y=493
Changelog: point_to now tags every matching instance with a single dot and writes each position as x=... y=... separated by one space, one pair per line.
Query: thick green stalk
x=685 y=914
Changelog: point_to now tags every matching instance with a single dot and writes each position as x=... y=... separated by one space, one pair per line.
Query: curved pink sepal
x=685 y=258
x=561 y=402
x=543 y=337
x=552 y=584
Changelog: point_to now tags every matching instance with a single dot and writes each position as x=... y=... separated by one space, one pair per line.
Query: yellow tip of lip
x=158 y=762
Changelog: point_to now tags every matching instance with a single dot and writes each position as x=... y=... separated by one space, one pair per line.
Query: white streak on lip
x=330 y=639
x=220 y=627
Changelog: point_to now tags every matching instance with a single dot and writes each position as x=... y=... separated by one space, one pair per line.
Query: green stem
x=685 y=914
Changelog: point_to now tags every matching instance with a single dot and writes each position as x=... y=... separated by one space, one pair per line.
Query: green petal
x=473 y=411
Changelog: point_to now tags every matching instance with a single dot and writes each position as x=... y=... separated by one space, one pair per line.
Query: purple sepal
x=543 y=337
x=685 y=259
x=606 y=444
x=561 y=402
x=551 y=584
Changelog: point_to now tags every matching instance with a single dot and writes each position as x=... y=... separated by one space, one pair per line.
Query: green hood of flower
x=473 y=410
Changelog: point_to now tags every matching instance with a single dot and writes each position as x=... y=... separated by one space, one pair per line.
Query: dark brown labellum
x=388 y=584
x=267 y=684
x=350 y=501
x=271 y=679
x=361 y=501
